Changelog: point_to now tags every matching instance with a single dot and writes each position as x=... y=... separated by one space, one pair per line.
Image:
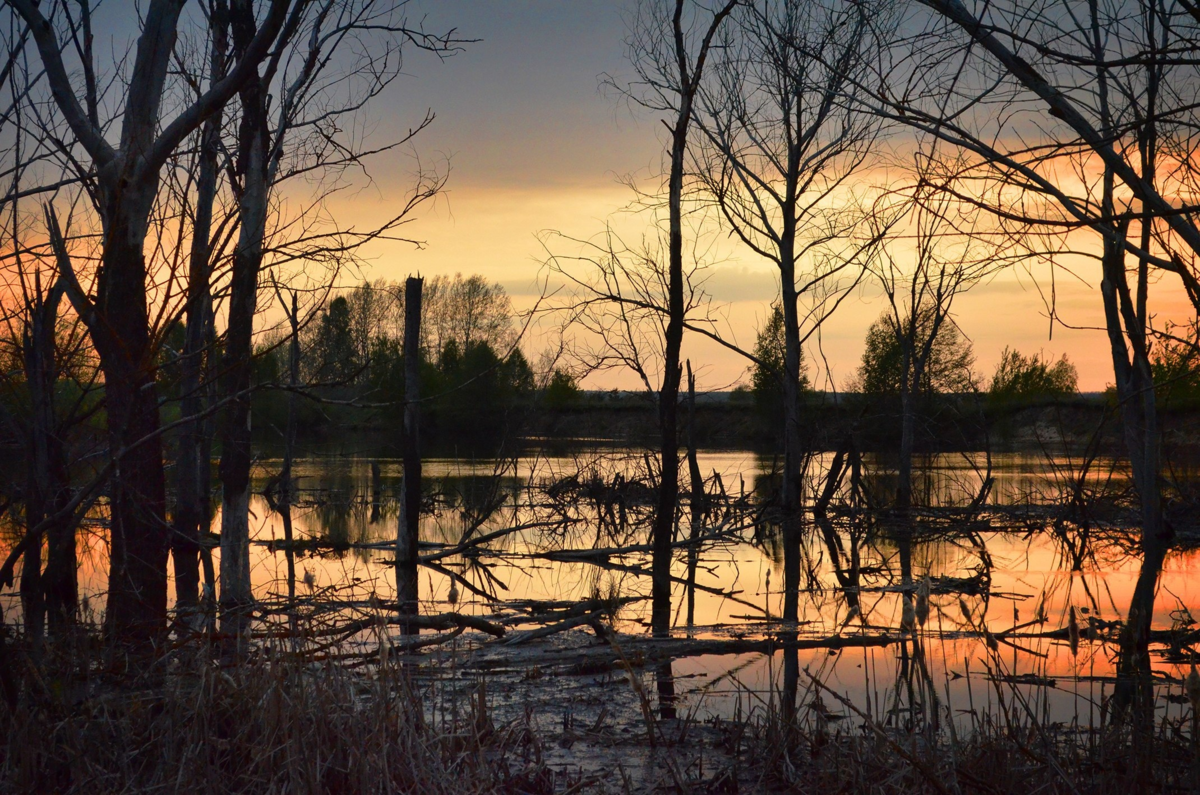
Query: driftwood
x=641 y=650
x=551 y=629
x=542 y=610
x=442 y=621
x=569 y=615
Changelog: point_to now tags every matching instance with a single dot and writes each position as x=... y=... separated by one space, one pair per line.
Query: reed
x=288 y=721
x=276 y=723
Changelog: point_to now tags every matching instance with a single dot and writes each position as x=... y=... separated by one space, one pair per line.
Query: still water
x=1005 y=567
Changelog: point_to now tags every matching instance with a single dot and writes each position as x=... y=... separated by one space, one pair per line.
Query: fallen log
x=551 y=629
x=639 y=651
x=442 y=621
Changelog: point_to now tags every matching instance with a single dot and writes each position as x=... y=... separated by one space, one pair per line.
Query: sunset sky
x=534 y=145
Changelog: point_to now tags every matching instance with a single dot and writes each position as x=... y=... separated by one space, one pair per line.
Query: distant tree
x=562 y=391
x=386 y=373
x=768 y=371
x=472 y=391
x=1175 y=363
x=466 y=311
x=1019 y=377
x=376 y=311
x=949 y=369
x=473 y=383
x=333 y=355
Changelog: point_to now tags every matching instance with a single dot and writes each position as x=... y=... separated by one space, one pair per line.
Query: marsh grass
x=1006 y=747
x=276 y=723
x=282 y=721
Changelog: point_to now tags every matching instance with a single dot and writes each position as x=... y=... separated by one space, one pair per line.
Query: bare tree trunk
x=408 y=525
x=289 y=446
x=668 y=396
x=204 y=475
x=792 y=454
x=1139 y=415
x=192 y=478
x=236 y=593
x=33 y=604
x=685 y=76
x=60 y=577
x=699 y=501
x=118 y=322
x=49 y=489
x=137 y=595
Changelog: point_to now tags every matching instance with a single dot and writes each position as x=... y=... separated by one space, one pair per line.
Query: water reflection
x=1011 y=560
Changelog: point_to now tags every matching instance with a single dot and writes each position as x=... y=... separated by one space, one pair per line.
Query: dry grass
x=267 y=726
x=283 y=724
x=1002 y=753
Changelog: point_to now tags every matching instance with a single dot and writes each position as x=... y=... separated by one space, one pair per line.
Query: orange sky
x=534 y=145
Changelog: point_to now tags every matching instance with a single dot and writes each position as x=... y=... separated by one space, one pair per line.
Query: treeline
x=949 y=402
x=477 y=383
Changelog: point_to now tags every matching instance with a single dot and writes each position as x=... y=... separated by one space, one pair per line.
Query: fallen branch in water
x=442 y=621
x=642 y=650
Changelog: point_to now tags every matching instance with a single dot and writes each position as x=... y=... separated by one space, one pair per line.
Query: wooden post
x=410 y=508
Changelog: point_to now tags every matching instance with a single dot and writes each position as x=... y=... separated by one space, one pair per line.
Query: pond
x=572 y=527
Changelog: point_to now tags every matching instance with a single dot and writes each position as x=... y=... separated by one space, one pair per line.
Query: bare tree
x=781 y=139
x=193 y=459
x=313 y=96
x=668 y=52
x=123 y=182
x=1109 y=91
x=43 y=350
x=465 y=311
x=920 y=279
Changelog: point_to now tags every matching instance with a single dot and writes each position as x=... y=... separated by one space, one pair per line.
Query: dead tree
x=783 y=134
x=669 y=61
x=253 y=166
x=699 y=500
x=409 y=521
x=266 y=158
x=124 y=181
x=48 y=348
x=193 y=462
x=1108 y=89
